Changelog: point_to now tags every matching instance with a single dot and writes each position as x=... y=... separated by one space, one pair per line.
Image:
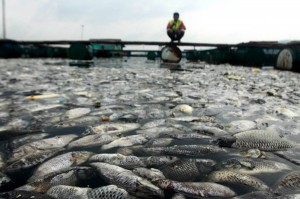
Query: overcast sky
x=207 y=21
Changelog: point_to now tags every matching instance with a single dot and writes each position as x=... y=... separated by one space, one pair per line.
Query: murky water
x=37 y=95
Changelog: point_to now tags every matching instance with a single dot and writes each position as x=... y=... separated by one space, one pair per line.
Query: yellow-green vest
x=177 y=25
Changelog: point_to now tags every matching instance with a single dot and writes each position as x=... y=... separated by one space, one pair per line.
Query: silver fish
x=149 y=174
x=154 y=123
x=108 y=192
x=93 y=140
x=261 y=139
x=19 y=141
x=178 y=196
x=289 y=182
x=291 y=156
x=48 y=143
x=258 y=194
x=31 y=160
x=184 y=150
x=75 y=113
x=253 y=166
x=193 y=119
x=127 y=180
x=82 y=121
x=115 y=128
x=209 y=130
x=128 y=162
x=189 y=136
x=237 y=178
x=68 y=192
x=125 y=141
x=62 y=161
x=197 y=189
x=159 y=142
x=23 y=195
x=4 y=180
x=155 y=132
x=157 y=161
x=185 y=170
x=70 y=176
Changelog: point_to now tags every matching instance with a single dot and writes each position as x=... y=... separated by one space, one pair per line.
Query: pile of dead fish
x=200 y=131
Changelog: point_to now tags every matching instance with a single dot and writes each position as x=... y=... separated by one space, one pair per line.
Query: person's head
x=176 y=16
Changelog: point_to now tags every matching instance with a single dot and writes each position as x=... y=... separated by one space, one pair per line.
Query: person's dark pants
x=175 y=35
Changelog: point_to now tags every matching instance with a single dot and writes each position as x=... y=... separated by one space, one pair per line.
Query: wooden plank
x=267 y=44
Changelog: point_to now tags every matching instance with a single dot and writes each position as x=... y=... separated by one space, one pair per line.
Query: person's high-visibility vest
x=176 y=26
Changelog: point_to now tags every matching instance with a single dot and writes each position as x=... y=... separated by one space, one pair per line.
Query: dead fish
x=115 y=128
x=209 y=130
x=154 y=123
x=159 y=142
x=48 y=143
x=125 y=142
x=31 y=160
x=178 y=196
x=197 y=189
x=62 y=161
x=149 y=174
x=128 y=162
x=185 y=170
x=4 y=180
x=184 y=108
x=2 y=160
x=93 y=140
x=70 y=176
x=253 y=166
x=289 y=182
x=68 y=192
x=184 y=150
x=238 y=178
x=82 y=121
x=127 y=180
x=189 y=136
x=261 y=139
x=75 y=113
x=157 y=161
x=108 y=192
x=157 y=131
x=257 y=194
x=14 y=125
x=291 y=156
x=18 y=194
x=19 y=141
x=193 y=119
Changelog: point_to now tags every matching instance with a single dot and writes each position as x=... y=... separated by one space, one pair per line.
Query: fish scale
x=108 y=192
x=261 y=139
x=290 y=181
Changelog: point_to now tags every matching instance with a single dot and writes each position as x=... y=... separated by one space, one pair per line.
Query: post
x=3 y=19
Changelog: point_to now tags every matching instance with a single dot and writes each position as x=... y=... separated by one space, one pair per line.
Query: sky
x=207 y=21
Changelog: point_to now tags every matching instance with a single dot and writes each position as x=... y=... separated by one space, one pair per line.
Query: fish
x=59 y=162
x=127 y=180
x=184 y=150
x=289 y=182
x=238 y=178
x=262 y=140
x=128 y=162
x=158 y=161
x=47 y=143
x=197 y=189
x=93 y=140
x=149 y=174
x=68 y=192
x=69 y=176
x=18 y=194
x=2 y=160
x=209 y=130
x=75 y=113
x=185 y=170
x=159 y=142
x=115 y=128
x=254 y=165
x=291 y=156
x=184 y=108
x=31 y=160
x=178 y=196
x=4 y=180
x=108 y=192
x=257 y=195
x=125 y=142
x=81 y=121
x=154 y=123
x=189 y=136
x=19 y=141
x=203 y=119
